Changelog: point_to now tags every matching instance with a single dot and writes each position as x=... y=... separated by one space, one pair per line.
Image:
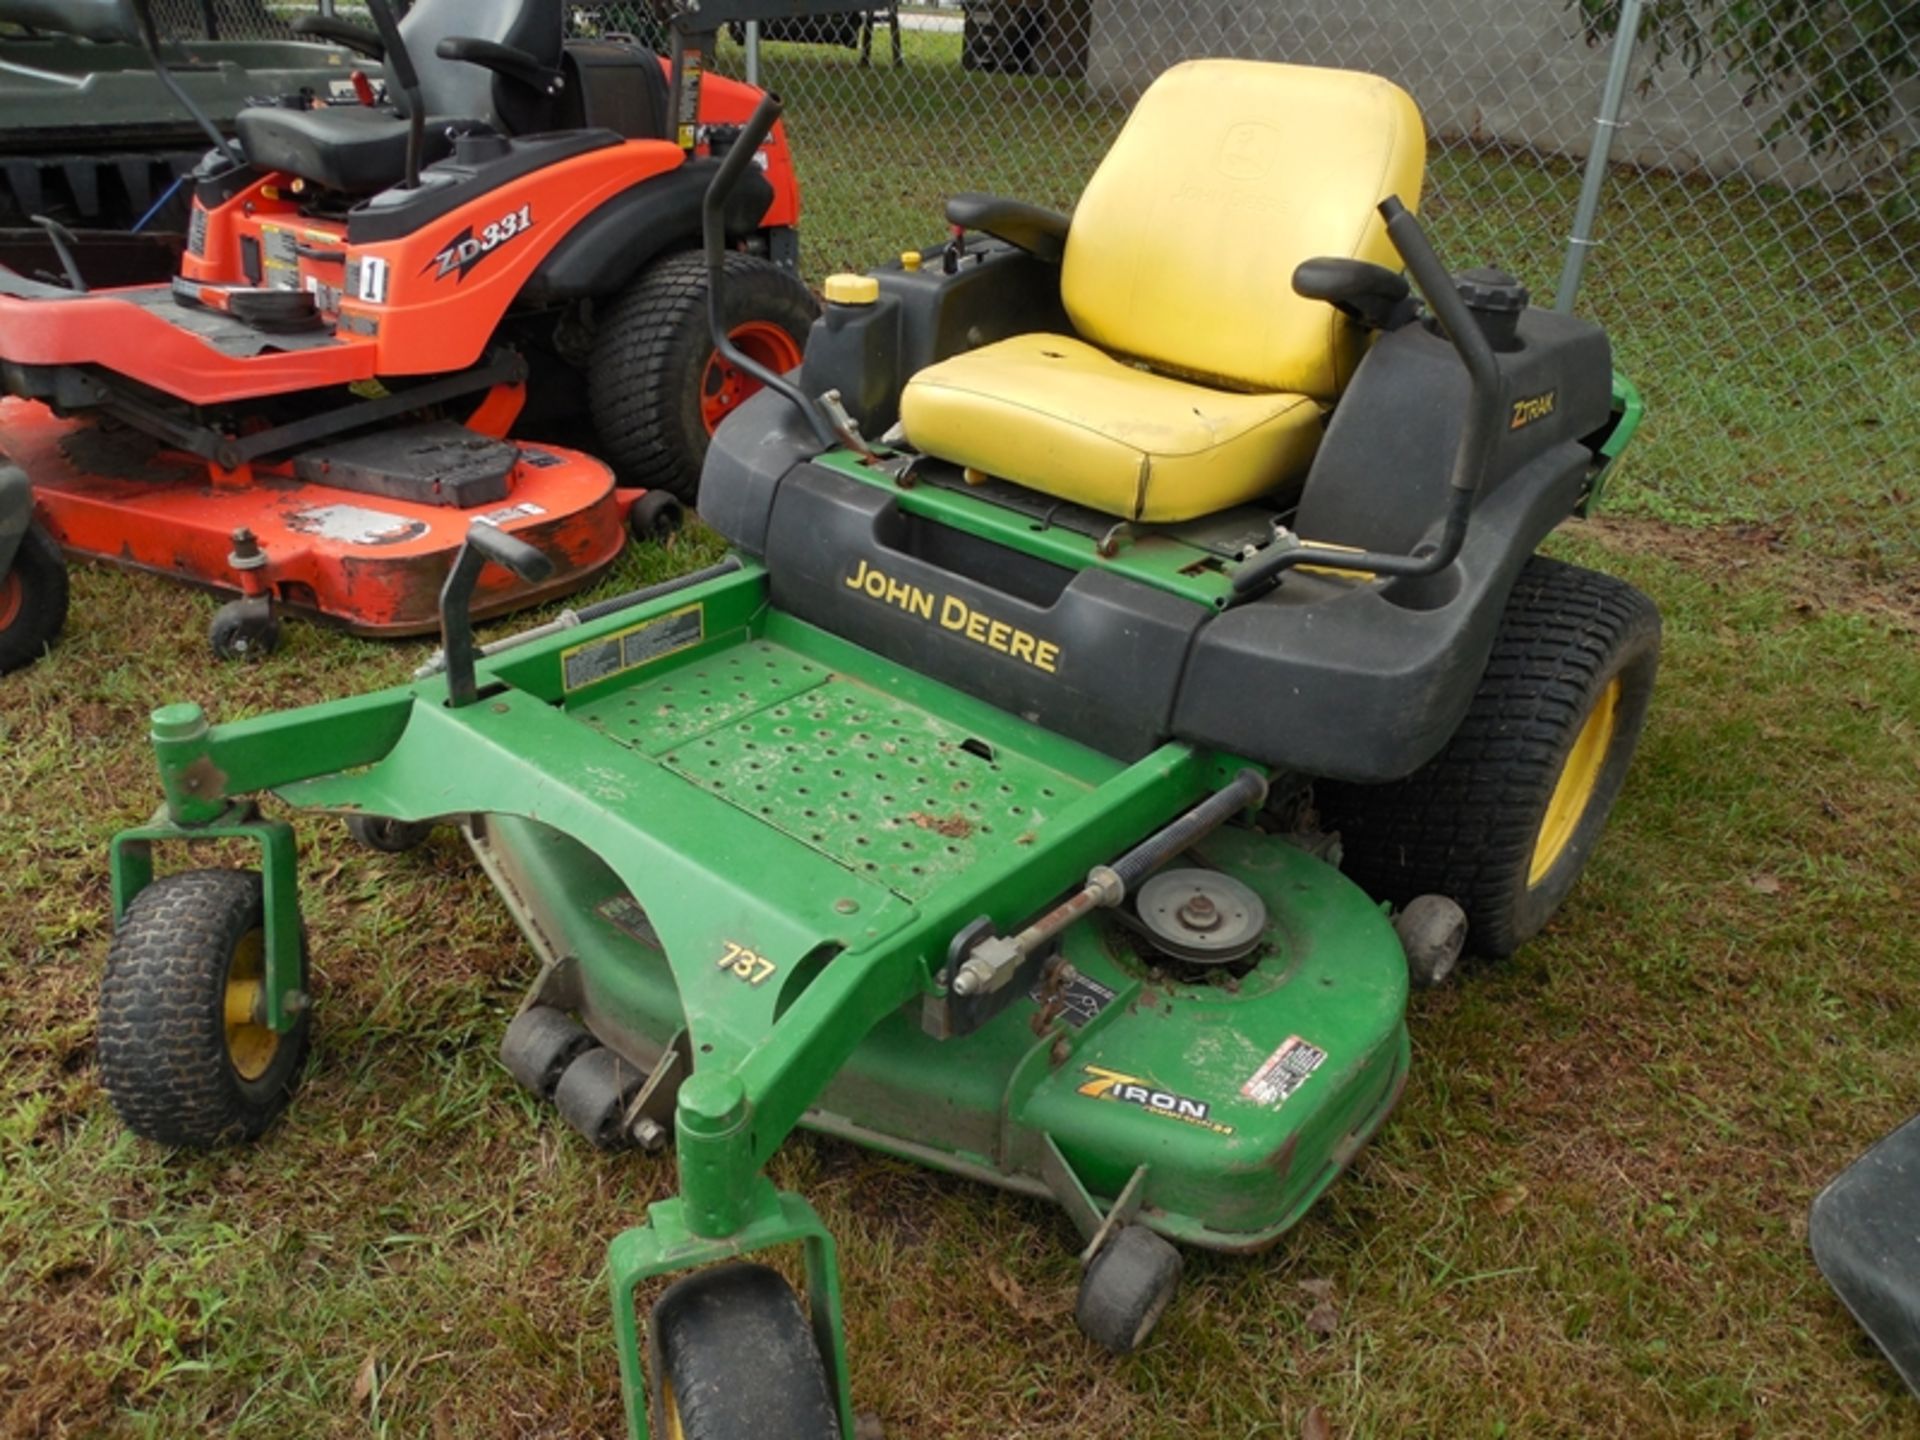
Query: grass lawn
x=1587 y=1217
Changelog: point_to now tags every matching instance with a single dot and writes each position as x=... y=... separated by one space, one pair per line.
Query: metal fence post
x=1608 y=120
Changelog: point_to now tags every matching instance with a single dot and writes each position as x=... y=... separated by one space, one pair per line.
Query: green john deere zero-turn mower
x=1089 y=579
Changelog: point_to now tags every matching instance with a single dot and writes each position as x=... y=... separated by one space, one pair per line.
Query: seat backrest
x=458 y=90
x=1227 y=175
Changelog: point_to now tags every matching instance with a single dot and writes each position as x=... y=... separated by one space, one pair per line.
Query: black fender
x=661 y=213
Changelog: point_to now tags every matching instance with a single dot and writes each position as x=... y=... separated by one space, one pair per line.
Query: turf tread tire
x=40 y=570
x=739 y=1353
x=1464 y=825
x=650 y=353
x=162 y=1046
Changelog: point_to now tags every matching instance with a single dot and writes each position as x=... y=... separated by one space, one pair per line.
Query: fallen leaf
x=1318 y=1289
x=1323 y=1319
x=1316 y=1426
x=1764 y=884
x=367 y=1380
x=1505 y=1202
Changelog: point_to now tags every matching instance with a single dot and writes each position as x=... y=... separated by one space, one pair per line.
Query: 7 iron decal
x=466 y=250
x=1104 y=1084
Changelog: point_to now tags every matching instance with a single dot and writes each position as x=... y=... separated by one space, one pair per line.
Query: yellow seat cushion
x=1228 y=174
x=1056 y=414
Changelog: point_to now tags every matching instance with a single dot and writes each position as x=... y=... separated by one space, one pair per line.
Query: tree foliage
x=1835 y=66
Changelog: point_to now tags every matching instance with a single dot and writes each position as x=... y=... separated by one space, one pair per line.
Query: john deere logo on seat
x=1249 y=150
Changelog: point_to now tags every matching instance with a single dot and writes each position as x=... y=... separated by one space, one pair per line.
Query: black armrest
x=1375 y=296
x=507 y=60
x=1040 y=232
x=357 y=38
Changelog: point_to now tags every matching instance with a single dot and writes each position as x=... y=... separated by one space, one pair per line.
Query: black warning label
x=628 y=649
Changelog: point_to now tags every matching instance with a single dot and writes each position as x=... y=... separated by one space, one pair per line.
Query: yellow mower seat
x=1063 y=417
x=1196 y=378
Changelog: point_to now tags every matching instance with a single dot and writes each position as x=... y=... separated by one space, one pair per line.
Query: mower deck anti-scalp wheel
x=540 y=1044
x=185 y=1054
x=1503 y=819
x=388 y=835
x=244 y=630
x=656 y=515
x=1128 y=1285
x=657 y=389
x=737 y=1361
x=33 y=600
x=593 y=1094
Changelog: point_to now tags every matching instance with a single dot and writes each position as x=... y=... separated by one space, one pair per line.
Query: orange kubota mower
x=376 y=296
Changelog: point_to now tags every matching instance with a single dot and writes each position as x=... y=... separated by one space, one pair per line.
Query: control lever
x=486 y=543
x=713 y=226
x=63 y=242
x=400 y=62
x=1486 y=404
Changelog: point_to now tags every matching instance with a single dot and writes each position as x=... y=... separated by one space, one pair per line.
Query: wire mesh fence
x=1757 y=253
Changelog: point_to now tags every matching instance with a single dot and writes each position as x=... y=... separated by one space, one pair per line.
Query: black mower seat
x=354 y=149
x=359 y=150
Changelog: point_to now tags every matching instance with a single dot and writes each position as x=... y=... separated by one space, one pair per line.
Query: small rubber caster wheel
x=656 y=515
x=1433 y=932
x=244 y=630
x=33 y=600
x=1127 y=1288
x=388 y=835
x=593 y=1094
x=184 y=1051
x=540 y=1044
x=737 y=1358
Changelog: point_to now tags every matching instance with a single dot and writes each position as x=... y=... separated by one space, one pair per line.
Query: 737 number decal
x=467 y=249
x=749 y=965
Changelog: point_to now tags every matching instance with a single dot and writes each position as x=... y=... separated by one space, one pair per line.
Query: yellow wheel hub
x=251 y=1044
x=1579 y=777
x=670 y=1413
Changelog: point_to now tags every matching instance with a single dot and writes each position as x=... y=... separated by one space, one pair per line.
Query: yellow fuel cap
x=909 y=260
x=852 y=289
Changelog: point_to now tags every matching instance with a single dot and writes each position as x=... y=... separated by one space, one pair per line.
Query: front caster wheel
x=387 y=835
x=185 y=1054
x=736 y=1360
x=244 y=630
x=1127 y=1288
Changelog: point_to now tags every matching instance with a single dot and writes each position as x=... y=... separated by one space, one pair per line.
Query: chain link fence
x=1756 y=257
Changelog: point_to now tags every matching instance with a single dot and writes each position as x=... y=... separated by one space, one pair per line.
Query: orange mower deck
x=371 y=563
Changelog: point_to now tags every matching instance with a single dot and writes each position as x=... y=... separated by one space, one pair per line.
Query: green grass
x=1586 y=1217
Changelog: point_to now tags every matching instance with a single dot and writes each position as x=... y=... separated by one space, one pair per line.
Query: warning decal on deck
x=633 y=647
x=1284 y=1072
x=1080 y=1002
x=623 y=912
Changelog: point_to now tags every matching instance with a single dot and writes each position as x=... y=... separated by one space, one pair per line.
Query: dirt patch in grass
x=1761 y=553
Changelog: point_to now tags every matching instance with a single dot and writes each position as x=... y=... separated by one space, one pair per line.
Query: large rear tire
x=657 y=390
x=738 y=1361
x=33 y=600
x=1503 y=820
